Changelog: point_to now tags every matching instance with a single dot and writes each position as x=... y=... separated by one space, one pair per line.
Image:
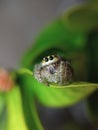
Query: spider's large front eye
x=51 y=57
x=46 y=59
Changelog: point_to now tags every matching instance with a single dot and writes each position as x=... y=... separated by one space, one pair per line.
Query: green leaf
x=15 y=116
x=58 y=96
x=65 y=35
x=56 y=38
x=83 y=17
x=28 y=100
x=30 y=110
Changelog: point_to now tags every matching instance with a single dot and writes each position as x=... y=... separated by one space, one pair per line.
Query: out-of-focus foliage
x=56 y=96
x=2 y=113
x=72 y=125
x=29 y=107
x=92 y=102
x=2 y=103
x=83 y=18
x=15 y=116
x=73 y=36
x=56 y=38
x=92 y=105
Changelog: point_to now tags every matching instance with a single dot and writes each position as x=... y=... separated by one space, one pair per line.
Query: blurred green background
x=20 y=23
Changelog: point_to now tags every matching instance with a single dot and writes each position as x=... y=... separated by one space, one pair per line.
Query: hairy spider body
x=55 y=70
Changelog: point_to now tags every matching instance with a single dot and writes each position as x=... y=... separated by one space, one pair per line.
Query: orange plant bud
x=6 y=81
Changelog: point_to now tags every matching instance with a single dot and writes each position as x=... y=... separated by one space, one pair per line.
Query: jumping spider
x=54 y=70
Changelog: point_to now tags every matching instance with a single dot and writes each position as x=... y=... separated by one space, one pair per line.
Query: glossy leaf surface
x=57 y=96
x=63 y=95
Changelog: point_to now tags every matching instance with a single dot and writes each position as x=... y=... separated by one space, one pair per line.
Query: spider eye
x=46 y=59
x=51 y=57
